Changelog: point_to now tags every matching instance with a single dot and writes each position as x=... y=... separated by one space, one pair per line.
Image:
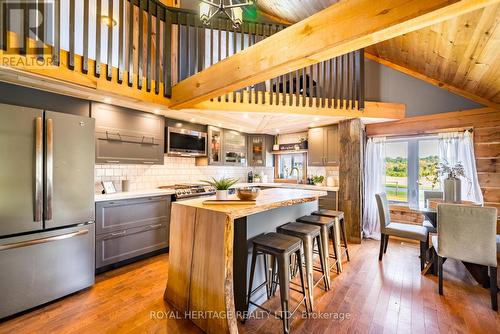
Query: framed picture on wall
x=109 y=187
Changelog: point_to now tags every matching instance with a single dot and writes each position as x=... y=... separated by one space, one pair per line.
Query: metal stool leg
x=344 y=236
x=284 y=274
x=302 y=281
x=250 y=283
x=334 y=243
x=324 y=264
x=326 y=253
x=308 y=255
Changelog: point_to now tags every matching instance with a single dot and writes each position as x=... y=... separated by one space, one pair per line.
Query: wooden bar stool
x=280 y=247
x=308 y=234
x=327 y=233
x=340 y=216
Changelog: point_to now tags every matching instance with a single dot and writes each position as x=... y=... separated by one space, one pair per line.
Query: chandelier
x=208 y=9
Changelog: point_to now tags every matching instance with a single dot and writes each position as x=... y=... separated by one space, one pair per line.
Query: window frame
x=413 y=167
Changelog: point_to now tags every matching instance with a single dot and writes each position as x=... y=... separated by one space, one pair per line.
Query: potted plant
x=303 y=143
x=256 y=178
x=222 y=186
x=317 y=180
x=452 y=191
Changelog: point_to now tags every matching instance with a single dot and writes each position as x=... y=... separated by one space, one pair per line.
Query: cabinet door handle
x=155 y=226
x=118 y=233
x=112 y=161
x=148 y=162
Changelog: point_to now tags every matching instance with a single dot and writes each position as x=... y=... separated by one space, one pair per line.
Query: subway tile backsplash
x=175 y=170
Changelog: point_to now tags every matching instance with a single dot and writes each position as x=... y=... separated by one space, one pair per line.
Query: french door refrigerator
x=46 y=206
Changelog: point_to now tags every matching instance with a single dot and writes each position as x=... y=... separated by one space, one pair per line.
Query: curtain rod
x=423 y=134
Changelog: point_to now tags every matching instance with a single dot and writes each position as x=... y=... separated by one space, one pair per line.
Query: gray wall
x=385 y=84
x=33 y=98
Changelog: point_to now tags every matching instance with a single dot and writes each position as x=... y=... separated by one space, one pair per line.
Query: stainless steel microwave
x=184 y=142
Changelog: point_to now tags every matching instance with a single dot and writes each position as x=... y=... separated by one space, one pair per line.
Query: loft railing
x=335 y=83
x=147 y=46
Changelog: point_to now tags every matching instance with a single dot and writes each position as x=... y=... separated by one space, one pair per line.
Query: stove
x=190 y=190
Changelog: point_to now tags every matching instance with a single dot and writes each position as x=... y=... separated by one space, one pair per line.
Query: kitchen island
x=209 y=253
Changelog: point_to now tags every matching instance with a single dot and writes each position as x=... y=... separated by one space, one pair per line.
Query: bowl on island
x=247 y=193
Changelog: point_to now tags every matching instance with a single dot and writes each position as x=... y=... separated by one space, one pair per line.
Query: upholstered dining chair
x=468 y=234
x=388 y=228
x=431 y=194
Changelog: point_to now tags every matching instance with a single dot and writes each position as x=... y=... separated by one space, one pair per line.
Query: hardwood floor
x=389 y=296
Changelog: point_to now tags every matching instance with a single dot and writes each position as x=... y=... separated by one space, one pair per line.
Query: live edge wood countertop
x=268 y=199
x=200 y=274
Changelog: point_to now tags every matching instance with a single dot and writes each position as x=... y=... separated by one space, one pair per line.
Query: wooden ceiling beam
x=341 y=28
x=372 y=109
x=432 y=81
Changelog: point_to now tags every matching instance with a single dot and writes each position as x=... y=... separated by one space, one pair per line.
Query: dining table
x=429 y=210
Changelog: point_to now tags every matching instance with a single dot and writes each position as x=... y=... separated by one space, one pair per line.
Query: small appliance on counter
x=250 y=177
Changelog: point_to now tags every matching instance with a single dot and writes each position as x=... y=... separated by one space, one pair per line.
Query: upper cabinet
x=128 y=136
x=260 y=150
x=323 y=146
x=234 y=148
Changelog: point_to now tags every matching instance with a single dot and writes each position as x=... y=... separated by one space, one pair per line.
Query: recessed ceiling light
x=219 y=125
x=311 y=125
x=157 y=111
x=193 y=119
x=316 y=118
x=277 y=130
x=107 y=100
x=245 y=115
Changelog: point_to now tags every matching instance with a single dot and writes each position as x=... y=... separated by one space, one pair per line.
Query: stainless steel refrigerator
x=46 y=206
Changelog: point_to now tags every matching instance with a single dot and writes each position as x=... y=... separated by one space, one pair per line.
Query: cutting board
x=229 y=201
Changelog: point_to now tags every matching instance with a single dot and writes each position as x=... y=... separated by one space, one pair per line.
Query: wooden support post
x=351 y=176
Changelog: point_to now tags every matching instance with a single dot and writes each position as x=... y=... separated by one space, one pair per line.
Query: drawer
x=119 y=215
x=122 y=245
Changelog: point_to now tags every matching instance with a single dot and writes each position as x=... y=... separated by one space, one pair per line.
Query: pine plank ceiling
x=463 y=52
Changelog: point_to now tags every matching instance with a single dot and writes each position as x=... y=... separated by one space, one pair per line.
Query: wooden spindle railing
x=150 y=47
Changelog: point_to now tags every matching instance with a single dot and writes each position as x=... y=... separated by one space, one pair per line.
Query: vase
x=452 y=190
x=221 y=195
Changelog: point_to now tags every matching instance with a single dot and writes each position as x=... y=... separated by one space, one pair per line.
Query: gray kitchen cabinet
x=128 y=136
x=260 y=150
x=329 y=202
x=234 y=148
x=315 y=151
x=131 y=227
x=323 y=146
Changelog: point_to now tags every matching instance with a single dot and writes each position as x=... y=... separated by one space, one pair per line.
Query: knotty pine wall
x=486 y=125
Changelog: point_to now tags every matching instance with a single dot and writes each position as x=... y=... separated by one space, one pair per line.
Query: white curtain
x=455 y=147
x=374 y=180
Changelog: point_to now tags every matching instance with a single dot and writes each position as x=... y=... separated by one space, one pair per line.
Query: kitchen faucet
x=298 y=172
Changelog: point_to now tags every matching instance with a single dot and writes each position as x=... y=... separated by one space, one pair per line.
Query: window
x=411 y=169
x=396 y=171
x=291 y=166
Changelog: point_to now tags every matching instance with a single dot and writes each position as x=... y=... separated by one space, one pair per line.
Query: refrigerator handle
x=38 y=169
x=43 y=240
x=49 y=169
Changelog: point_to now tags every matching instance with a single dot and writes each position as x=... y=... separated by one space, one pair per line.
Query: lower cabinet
x=329 y=202
x=126 y=229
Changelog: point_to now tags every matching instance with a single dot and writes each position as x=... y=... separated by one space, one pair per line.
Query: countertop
x=267 y=200
x=132 y=194
x=287 y=185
